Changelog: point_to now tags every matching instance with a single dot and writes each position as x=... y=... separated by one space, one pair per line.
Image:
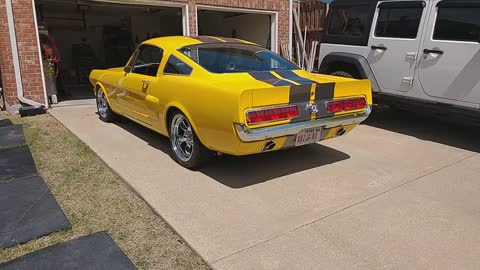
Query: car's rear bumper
x=262 y=134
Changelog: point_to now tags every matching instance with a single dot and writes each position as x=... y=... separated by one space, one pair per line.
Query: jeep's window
x=147 y=60
x=348 y=21
x=398 y=22
x=235 y=58
x=177 y=66
x=458 y=24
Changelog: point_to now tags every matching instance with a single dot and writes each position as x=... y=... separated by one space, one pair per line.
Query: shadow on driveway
x=244 y=171
x=239 y=172
x=427 y=128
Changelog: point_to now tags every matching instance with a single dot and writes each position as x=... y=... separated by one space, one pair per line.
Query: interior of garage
x=78 y=36
x=253 y=27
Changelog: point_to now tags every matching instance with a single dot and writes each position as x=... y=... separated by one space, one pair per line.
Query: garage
x=252 y=25
x=78 y=36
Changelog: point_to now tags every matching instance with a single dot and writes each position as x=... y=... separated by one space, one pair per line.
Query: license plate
x=308 y=136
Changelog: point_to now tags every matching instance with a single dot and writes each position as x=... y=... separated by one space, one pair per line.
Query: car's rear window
x=235 y=58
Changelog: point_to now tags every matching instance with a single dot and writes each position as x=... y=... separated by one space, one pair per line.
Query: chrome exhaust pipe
x=269 y=146
x=340 y=132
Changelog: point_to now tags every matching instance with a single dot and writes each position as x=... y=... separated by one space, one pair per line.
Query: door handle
x=427 y=51
x=412 y=55
x=382 y=48
x=145 y=83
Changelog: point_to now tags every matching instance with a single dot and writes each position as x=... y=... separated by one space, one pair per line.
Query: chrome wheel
x=181 y=136
x=102 y=104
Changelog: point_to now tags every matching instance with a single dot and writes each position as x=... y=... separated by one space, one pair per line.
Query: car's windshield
x=234 y=58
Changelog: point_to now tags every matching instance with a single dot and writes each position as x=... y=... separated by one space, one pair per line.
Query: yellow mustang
x=225 y=95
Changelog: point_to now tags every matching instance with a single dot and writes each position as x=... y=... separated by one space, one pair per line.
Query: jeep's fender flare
x=358 y=61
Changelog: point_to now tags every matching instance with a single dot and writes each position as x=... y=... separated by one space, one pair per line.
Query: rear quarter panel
x=211 y=109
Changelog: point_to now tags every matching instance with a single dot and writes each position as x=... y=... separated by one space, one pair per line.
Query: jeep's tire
x=341 y=74
x=105 y=113
x=187 y=150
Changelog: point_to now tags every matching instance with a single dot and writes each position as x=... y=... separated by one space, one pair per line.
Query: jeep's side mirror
x=127 y=69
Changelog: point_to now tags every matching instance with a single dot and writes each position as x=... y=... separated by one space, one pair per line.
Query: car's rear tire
x=187 y=150
x=340 y=73
x=105 y=113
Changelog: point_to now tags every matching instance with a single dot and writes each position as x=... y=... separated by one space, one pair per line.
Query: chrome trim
x=262 y=134
x=270 y=108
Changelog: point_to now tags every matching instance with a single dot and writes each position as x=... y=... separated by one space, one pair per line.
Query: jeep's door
x=395 y=43
x=450 y=64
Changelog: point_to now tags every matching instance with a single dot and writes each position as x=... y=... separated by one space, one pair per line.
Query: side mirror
x=127 y=69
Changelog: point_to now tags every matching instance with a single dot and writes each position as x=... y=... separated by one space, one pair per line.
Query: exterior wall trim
x=186 y=20
x=45 y=95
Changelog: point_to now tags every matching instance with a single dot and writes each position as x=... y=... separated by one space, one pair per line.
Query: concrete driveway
x=397 y=193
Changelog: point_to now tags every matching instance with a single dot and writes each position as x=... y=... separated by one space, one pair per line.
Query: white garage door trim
x=273 y=14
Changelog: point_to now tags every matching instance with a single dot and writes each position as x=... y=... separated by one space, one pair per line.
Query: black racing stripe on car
x=303 y=113
x=300 y=93
x=300 y=96
x=207 y=39
x=292 y=76
x=269 y=78
x=324 y=91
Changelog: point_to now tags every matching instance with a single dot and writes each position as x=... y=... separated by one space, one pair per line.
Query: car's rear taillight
x=349 y=104
x=272 y=114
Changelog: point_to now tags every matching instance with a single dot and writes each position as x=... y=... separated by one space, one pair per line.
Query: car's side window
x=147 y=60
x=177 y=67
x=348 y=21
x=399 y=19
x=458 y=23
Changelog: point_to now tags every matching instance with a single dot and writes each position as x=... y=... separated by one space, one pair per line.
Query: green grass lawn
x=94 y=198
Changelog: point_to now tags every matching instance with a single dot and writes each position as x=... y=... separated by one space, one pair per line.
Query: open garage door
x=83 y=35
x=256 y=26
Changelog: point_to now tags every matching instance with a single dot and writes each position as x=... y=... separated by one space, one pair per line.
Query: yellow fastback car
x=225 y=95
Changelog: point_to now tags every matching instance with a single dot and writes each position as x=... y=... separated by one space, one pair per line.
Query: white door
x=450 y=64
x=395 y=43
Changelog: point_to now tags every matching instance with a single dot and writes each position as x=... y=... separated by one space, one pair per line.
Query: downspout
x=290 y=29
x=40 y=60
x=16 y=61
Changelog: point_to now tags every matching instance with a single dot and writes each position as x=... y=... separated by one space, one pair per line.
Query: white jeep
x=421 y=53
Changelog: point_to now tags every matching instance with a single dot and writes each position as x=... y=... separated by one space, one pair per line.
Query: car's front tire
x=187 y=150
x=105 y=113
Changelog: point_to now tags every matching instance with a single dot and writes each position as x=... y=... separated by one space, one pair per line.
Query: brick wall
x=28 y=53
x=8 y=77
